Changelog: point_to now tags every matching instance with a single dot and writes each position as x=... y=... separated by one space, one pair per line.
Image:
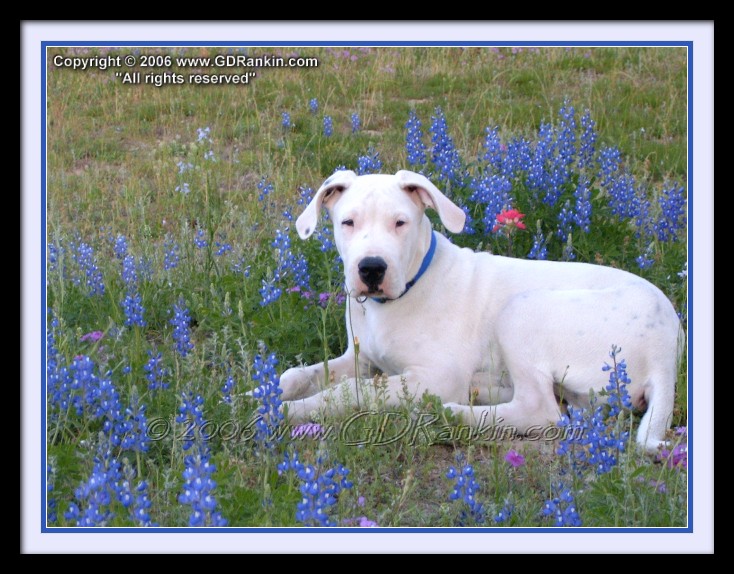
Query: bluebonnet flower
x=645 y=259
x=291 y=267
x=305 y=195
x=569 y=254
x=622 y=191
x=286 y=121
x=83 y=255
x=517 y=159
x=209 y=155
x=222 y=248
x=94 y=499
x=203 y=134
x=198 y=483
x=288 y=262
x=181 y=321
x=120 y=247
x=227 y=389
x=59 y=383
x=51 y=505
x=191 y=415
x=95 y=496
x=493 y=149
x=132 y=304
x=414 y=146
x=269 y=292
x=98 y=398
x=538 y=178
x=505 y=514
x=320 y=489
x=200 y=240
x=95 y=395
x=141 y=507
x=493 y=193
x=184 y=188
x=324 y=235
x=592 y=439
x=155 y=372
x=641 y=210
x=582 y=206
x=267 y=392
x=672 y=202
x=145 y=268
x=562 y=508
x=134 y=428
x=265 y=188
x=313 y=105
x=52 y=353
x=539 y=250
x=465 y=489
x=82 y=384
x=587 y=144
x=369 y=163
x=610 y=161
x=566 y=137
x=565 y=221
x=328 y=126
x=85 y=392
x=129 y=271
x=183 y=167
x=240 y=267
x=198 y=488
x=356 y=122
x=444 y=155
x=53 y=256
x=170 y=256
x=617 y=394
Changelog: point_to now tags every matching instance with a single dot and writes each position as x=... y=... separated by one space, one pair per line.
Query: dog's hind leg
x=532 y=407
x=657 y=418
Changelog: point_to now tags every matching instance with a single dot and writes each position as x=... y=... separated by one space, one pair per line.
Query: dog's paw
x=296 y=383
x=297 y=412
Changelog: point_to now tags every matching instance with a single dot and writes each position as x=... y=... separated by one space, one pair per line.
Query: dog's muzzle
x=372 y=272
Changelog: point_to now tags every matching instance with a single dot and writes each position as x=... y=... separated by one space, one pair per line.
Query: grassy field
x=176 y=282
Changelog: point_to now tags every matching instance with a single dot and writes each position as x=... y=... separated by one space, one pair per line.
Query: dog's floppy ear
x=336 y=183
x=451 y=215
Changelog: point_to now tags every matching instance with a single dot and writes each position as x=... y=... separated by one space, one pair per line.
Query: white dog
x=516 y=334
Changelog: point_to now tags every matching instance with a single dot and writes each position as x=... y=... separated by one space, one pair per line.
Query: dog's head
x=380 y=226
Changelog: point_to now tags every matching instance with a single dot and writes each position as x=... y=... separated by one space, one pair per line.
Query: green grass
x=113 y=151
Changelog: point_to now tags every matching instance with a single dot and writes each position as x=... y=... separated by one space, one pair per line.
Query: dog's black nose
x=372 y=271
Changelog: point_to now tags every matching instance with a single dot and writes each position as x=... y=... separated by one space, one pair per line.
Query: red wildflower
x=509 y=218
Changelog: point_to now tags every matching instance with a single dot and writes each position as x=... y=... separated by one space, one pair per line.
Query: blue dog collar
x=424 y=265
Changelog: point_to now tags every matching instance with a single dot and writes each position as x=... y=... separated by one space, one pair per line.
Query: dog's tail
x=659 y=395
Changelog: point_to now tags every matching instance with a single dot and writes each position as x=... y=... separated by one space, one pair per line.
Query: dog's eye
x=399 y=223
x=348 y=222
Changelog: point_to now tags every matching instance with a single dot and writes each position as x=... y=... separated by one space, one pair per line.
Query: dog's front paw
x=298 y=412
x=296 y=383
